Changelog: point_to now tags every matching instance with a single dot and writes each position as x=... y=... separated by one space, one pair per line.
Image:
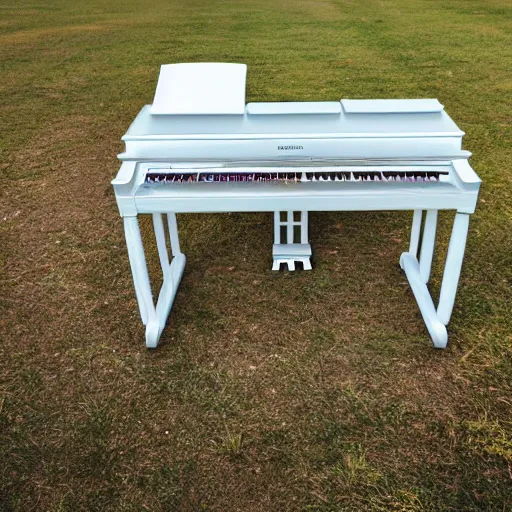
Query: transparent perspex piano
x=200 y=148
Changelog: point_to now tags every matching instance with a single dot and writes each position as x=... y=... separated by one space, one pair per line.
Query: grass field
x=311 y=391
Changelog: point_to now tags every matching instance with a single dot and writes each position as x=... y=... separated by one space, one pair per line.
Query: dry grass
x=308 y=391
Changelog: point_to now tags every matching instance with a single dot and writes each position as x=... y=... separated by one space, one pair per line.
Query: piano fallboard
x=237 y=197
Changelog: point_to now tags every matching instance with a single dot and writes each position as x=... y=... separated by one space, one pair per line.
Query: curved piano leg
x=417 y=274
x=435 y=327
x=153 y=332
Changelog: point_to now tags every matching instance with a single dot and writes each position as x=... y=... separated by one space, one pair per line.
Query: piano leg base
x=289 y=254
x=153 y=332
x=168 y=291
x=435 y=327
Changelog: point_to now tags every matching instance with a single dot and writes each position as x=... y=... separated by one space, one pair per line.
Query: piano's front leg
x=139 y=272
x=418 y=273
x=154 y=318
x=453 y=267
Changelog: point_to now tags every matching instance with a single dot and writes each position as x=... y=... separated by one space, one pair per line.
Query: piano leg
x=139 y=269
x=158 y=226
x=153 y=317
x=172 y=274
x=415 y=232
x=453 y=267
x=435 y=328
x=173 y=234
x=427 y=244
x=418 y=274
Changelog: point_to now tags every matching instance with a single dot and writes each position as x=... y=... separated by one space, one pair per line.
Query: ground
x=311 y=391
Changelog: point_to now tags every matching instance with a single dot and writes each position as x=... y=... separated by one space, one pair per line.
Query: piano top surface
x=148 y=126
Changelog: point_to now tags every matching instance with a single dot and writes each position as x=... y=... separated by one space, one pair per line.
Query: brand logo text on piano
x=287 y=148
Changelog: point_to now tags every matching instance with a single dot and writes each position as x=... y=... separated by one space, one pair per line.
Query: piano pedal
x=292 y=227
x=290 y=254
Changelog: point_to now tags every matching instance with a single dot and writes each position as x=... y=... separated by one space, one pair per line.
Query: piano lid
x=200 y=89
x=422 y=106
x=206 y=101
x=260 y=122
x=294 y=108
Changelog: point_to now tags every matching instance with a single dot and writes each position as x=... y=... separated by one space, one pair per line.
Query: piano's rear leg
x=427 y=244
x=172 y=274
x=415 y=232
x=427 y=240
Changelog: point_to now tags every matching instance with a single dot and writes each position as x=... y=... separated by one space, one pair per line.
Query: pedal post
x=291 y=252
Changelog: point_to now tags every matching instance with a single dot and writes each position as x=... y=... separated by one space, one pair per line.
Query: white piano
x=200 y=148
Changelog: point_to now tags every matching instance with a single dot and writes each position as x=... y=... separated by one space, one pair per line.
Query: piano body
x=200 y=148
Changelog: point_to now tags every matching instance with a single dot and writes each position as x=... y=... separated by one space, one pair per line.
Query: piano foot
x=435 y=327
x=153 y=332
x=166 y=297
x=453 y=267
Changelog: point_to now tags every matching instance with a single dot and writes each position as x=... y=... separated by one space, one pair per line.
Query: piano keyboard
x=178 y=176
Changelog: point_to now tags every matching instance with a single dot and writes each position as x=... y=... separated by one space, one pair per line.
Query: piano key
x=408 y=175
